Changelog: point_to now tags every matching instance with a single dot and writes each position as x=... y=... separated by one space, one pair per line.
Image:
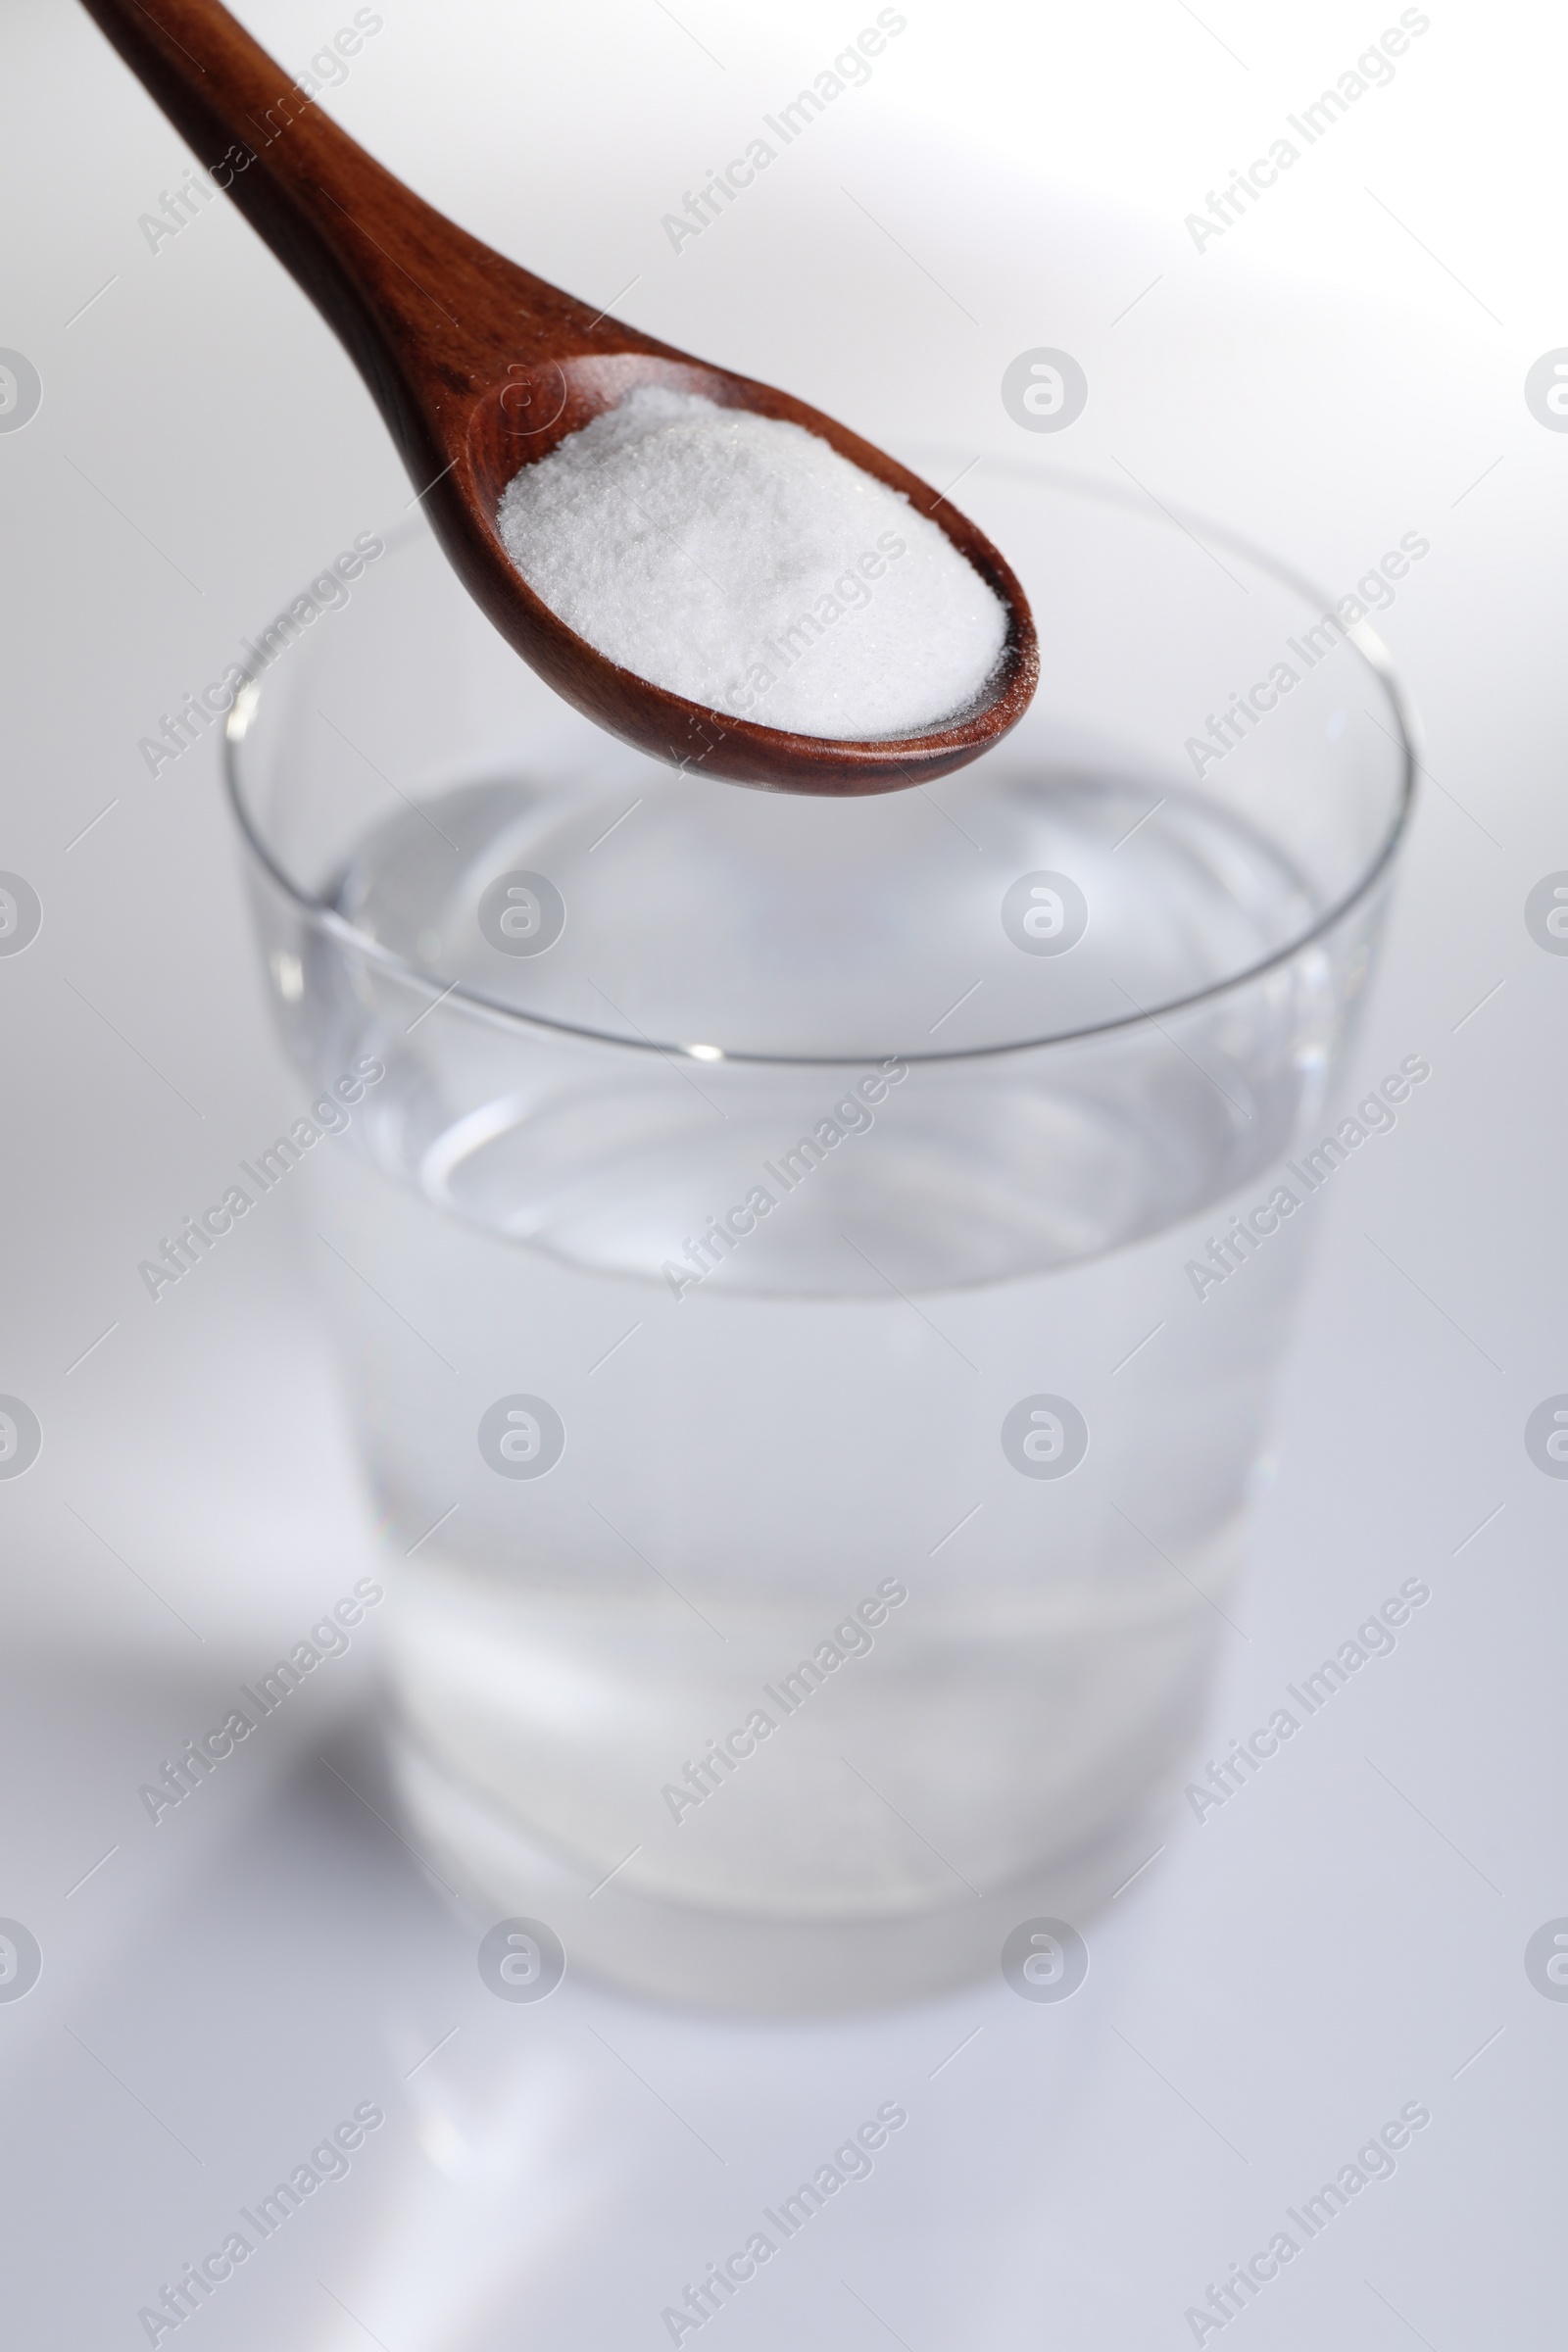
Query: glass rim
x=1358 y=635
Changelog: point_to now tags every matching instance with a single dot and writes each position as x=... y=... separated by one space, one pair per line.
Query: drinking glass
x=809 y=1275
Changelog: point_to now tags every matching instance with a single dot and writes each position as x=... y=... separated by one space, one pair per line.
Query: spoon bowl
x=502 y=436
x=480 y=368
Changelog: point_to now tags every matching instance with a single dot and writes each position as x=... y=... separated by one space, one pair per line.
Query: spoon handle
x=427 y=313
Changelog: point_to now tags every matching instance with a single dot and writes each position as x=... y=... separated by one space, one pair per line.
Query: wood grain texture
x=479 y=369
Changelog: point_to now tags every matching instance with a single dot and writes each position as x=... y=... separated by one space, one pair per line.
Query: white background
x=1343 y=365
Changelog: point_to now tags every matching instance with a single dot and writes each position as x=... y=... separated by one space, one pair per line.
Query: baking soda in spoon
x=741 y=562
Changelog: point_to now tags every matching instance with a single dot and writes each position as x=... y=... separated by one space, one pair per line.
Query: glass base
x=716 y=1960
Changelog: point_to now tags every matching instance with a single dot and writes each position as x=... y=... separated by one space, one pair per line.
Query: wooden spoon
x=479 y=368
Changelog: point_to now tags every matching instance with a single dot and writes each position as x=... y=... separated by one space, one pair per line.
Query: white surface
x=1343 y=1936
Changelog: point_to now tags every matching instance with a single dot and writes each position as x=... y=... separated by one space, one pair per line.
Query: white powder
x=743 y=564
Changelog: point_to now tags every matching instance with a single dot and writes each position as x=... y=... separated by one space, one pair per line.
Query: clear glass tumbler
x=809 y=1273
